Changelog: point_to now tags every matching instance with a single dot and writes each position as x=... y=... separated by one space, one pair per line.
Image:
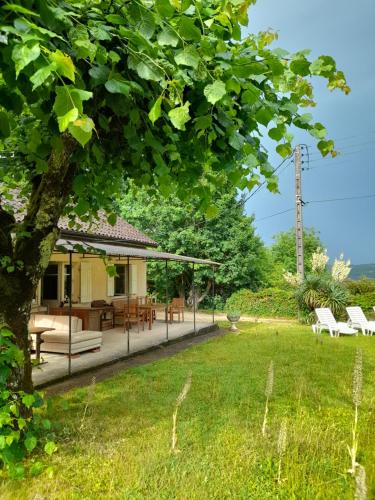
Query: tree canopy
x=179 y=227
x=283 y=250
x=134 y=83
x=164 y=92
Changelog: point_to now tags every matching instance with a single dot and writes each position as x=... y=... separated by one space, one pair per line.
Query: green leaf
x=50 y=447
x=69 y=117
x=82 y=129
x=149 y=71
x=18 y=8
x=318 y=131
x=99 y=74
x=23 y=55
x=180 y=116
x=203 y=122
x=164 y=8
x=155 y=111
x=188 y=30
x=85 y=49
x=233 y=85
x=167 y=37
x=28 y=400
x=251 y=94
x=236 y=140
x=284 y=150
x=215 y=91
x=118 y=87
x=188 y=57
x=264 y=116
x=30 y=443
x=300 y=66
x=326 y=147
x=64 y=64
x=277 y=133
x=40 y=76
x=115 y=19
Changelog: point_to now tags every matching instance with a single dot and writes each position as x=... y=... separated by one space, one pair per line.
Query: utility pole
x=299 y=204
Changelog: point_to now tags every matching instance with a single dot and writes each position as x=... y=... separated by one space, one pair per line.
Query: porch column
x=166 y=300
x=213 y=294
x=193 y=288
x=70 y=312
x=128 y=323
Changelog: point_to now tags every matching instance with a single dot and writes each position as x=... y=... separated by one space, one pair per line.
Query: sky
x=344 y=30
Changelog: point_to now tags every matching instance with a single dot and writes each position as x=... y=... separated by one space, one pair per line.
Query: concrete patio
x=115 y=347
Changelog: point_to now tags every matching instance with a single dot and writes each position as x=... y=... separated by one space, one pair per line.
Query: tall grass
x=268 y=394
x=357 y=398
x=181 y=397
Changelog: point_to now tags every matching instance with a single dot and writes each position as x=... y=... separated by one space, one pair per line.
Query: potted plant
x=233 y=316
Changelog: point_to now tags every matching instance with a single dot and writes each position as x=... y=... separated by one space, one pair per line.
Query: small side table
x=37 y=331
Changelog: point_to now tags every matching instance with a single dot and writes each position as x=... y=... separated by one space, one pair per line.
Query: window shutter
x=110 y=286
x=86 y=282
x=133 y=279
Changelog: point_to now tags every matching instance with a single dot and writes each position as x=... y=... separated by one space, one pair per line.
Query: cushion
x=56 y=322
x=59 y=336
x=63 y=348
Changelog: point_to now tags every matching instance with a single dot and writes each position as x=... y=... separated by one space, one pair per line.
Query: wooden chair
x=118 y=313
x=177 y=306
x=133 y=315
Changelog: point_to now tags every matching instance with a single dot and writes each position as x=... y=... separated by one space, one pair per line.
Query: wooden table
x=37 y=331
x=91 y=316
x=151 y=308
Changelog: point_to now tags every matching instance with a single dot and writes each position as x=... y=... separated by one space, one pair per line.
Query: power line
x=274 y=215
x=253 y=193
x=342 y=199
x=318 y=201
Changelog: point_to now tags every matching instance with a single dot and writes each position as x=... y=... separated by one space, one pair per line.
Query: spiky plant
x=357 y=399
x=268 y=393
x=181 y=397
x=281 y=446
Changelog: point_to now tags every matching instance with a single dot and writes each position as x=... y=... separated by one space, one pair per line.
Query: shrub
x=364 y=300
x=269 y=302
x=321 y=291
x=359 y=287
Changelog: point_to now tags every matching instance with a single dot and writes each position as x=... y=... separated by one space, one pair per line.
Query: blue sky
x=344 y=30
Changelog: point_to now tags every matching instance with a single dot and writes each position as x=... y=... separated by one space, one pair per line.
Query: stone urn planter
x=233 y=317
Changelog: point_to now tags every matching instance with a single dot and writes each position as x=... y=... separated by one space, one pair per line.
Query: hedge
x=364 y=300
x=269 y=302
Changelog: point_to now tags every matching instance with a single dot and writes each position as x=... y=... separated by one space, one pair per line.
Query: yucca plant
x=321 y=291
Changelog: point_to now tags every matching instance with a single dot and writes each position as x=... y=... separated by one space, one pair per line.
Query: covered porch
x=122 y=341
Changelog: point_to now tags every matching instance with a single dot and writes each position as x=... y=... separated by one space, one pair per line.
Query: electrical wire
x=253 y=193
x=362 y=197
x=274 y=215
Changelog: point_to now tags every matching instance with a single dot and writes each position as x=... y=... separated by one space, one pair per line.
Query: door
x=50 y=285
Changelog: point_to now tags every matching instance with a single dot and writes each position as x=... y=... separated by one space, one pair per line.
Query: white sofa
x=57 y=340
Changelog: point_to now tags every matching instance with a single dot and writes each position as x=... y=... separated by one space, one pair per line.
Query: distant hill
x=360 y=270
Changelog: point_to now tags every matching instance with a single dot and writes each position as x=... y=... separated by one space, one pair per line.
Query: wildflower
x=340 y=269
x=319 y=260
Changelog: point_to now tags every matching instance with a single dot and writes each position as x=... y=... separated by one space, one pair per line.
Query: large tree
x=226 y=236
x=283 y=250
x=162 y=91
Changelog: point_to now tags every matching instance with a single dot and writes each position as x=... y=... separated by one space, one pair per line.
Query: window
x=50 y=282
x=67 y=282
x=121 y=280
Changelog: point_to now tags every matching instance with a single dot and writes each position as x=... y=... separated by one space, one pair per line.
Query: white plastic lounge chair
x=326 y=321
x=357 y=319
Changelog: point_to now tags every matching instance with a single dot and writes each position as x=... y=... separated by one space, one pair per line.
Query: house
x=90 y=279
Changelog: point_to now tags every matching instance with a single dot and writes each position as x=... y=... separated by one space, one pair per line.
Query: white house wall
x=99 y=276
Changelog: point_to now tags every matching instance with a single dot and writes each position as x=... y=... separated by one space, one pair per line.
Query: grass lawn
x=120 y=446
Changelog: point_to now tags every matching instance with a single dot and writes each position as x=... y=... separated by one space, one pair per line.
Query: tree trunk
x=27 y=252
x=198 y=296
